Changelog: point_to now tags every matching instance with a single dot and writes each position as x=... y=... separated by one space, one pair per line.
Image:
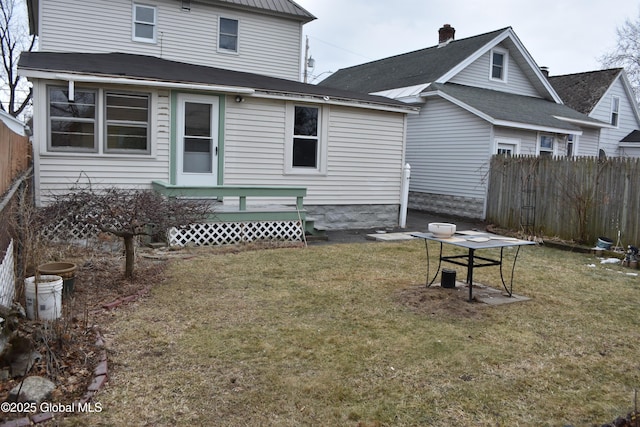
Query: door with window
x=197 y=137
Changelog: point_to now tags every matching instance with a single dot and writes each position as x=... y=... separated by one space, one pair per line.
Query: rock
x=23 y=363
x=32 y=389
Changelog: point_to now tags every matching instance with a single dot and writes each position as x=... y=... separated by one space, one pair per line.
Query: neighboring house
x=203 y=99
x=605 y=95
x=479 y=96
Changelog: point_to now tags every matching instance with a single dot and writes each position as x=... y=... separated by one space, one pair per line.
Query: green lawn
x=321 y=336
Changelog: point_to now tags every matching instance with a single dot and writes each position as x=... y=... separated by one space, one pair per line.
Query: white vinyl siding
x=269 y=45
x=57 y=172
x=627 y=122
x=364 y=153
x=448 y=149
x=477 y=74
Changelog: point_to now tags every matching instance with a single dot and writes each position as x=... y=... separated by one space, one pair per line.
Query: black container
x=448 y=278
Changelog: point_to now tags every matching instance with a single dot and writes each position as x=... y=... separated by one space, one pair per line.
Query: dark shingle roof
x=161 y=70
x=582 y=91
x=632 y=137
x=413 y=68
x=508 y=107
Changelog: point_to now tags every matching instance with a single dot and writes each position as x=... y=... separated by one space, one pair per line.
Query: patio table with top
x=472 y=241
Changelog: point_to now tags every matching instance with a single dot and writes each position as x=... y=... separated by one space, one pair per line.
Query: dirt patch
x=440 y=302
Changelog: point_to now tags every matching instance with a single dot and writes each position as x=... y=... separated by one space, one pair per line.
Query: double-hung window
x=546 y=145
x=126 y=122
x=228 y=35
x=499 y=63
x=306 y=145
x=72 y=122
x=144 y=23
x=615 y=110
x=305 y=137
x=99 y=121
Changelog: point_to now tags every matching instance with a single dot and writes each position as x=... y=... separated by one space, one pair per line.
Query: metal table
x=473 y=240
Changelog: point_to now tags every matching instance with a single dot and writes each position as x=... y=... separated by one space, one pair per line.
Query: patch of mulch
x=437 y=301
x=68 y=345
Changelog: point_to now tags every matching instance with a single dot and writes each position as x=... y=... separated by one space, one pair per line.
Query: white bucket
x=49 y=294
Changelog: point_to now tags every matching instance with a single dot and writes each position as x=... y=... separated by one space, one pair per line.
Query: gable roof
x=408 y=69
x=583 y=91
x=437 y=64
x=507 y=109
x=143 y=70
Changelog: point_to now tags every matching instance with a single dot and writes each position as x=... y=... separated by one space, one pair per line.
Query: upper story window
x=499 y=62
x=72 y=123
x=121 y=120
x=228 y=35
x=615 y=110
x=547 y=145
x=144 y=23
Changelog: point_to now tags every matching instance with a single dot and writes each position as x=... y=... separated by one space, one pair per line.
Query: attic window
x=498 y=68
x=144 y=23
x=615 y=110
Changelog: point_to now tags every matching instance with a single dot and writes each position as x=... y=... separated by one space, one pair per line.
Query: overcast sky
x=568 y=36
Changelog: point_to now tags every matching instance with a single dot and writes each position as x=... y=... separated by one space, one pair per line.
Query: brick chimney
x=446 y=34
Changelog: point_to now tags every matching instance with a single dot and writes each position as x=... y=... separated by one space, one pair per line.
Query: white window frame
x=505 y=64
x=100 y=125
x=512 y=144
x=135 y=21
x=615 y=111
x=321 y=154
x=545 y=150
x=94 y=120
x=146 y=125
x=221 y=49
x=572 y=139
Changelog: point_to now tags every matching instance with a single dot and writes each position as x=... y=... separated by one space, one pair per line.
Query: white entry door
x=197 y=136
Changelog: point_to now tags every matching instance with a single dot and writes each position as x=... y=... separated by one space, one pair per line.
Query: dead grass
x=327 y=336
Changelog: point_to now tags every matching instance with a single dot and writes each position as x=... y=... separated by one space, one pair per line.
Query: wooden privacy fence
x=577 y=199
x=15 y=155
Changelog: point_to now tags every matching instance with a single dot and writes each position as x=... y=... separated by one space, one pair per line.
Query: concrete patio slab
x=488 y=295
x=391 y=237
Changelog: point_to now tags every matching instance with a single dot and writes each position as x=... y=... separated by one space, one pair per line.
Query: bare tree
x=125 y=214
x=626 y=53
x=14 y=39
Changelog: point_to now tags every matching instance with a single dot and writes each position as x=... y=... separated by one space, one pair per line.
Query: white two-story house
x=203 y=98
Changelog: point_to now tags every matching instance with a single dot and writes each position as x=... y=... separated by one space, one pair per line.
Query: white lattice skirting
x=222 y=233
x=7 y=279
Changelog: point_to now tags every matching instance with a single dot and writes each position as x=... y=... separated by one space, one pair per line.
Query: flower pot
x=66 y=270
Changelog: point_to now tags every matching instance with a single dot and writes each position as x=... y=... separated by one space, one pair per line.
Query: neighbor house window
x=72 y=123
x=499 y=60
x=571 y=145
x=126 y=122
x=546 y=145
x=615 y=110
x=144 y=23
x=228 y=35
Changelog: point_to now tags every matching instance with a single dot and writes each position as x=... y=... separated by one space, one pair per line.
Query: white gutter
x=153 y=83
x=585 y=123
